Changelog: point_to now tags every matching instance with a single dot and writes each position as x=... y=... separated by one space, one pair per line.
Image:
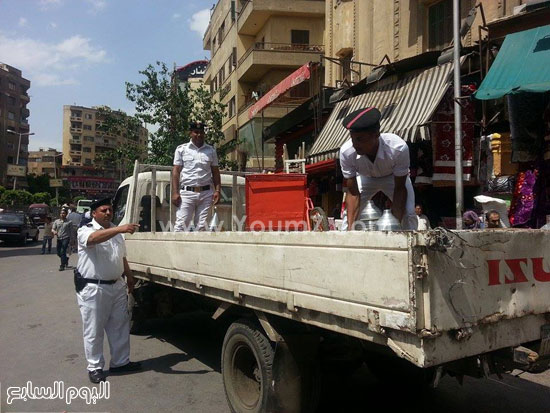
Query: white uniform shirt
x=392 y=158
x=196 y=164
x=101 y=261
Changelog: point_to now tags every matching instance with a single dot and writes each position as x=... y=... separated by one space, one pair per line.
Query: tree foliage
x=41 y=198
x=118 y=123
x=38 y=183
x=16 y=198
x=170 y=107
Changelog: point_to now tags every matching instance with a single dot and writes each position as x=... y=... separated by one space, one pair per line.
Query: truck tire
x=247 y=367
x=137 y=318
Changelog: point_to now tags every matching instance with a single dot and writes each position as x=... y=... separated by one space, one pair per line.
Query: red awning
x=320 y=167
x=294 y=79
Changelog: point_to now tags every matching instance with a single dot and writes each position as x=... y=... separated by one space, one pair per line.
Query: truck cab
x=165 y=211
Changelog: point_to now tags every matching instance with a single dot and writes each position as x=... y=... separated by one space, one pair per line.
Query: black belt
x=94 y=281
x=195 y=188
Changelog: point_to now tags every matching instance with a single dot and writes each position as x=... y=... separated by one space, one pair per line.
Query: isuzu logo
x=517 y=271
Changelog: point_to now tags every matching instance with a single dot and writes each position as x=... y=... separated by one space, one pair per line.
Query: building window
x=11 y=116
x=87 y=161
x=234 y=58
x=87 y=127
x=299 y=36
x=87 y=149
x=440 y=24
x=221 y=32
x=88 y=116
x=9 y=145
x=89 y=138
x=10 y=159
x=11 y=100
x=11 y=86
x=231 y=107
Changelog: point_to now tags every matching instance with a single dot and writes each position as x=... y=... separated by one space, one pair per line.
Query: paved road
x=41 y=342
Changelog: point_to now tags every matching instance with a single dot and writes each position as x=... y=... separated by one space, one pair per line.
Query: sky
x=81 y=52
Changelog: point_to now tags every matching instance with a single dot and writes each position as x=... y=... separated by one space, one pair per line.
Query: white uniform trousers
x=370 y=186
x=194 y=207
x=104 y=307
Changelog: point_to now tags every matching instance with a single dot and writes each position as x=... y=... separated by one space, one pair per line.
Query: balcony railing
x=282 y=47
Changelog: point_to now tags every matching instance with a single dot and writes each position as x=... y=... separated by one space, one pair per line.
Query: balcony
x=76 y=118
x=75 y=152
x=76 y=130
x=254 y=13
x=263 y=57
x=75 y=141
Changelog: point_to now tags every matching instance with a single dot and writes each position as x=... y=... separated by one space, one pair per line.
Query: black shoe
x=42 y=253
x=131 y=366
x=96 y=376
x=61 y=267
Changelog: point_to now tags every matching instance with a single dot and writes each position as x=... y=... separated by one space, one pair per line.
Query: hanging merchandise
x=524 y=200
x=443 y=132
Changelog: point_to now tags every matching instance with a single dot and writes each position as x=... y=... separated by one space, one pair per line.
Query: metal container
x=388 y=222
x=368 y=217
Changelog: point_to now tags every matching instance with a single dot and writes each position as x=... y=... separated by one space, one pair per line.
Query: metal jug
x=369 y=215
x=388 y=222
x=215 y=222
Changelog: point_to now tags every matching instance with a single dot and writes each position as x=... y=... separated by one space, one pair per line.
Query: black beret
x=196 y=126
x=96 y=204
x=361 y=119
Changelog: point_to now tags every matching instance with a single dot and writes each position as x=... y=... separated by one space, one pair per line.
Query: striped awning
x=406 y=105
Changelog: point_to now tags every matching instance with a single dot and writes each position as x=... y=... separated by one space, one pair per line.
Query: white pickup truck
x=434 y=302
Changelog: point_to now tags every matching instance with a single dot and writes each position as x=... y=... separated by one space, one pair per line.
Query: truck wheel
x=247 y=363
x=137 y=318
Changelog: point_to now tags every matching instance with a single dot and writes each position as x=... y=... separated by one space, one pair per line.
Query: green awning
x=522 y=65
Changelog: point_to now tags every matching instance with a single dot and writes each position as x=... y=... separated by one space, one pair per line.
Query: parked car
x=17 y=227
x=38 y=213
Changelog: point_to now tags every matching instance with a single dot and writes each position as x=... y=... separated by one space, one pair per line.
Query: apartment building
x=83 y=144
x=83 y=139
x=255 y=44
x=45 y=161
x=13 y=116
x=363 y=34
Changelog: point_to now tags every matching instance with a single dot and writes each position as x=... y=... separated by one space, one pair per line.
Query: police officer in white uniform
x=101 y=291
x=382 y=162
x=195 y=181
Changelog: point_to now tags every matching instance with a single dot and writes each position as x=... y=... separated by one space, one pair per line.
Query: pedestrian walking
x=75 y=218
x=101 y=291
x=62 y=230
x=48 y=236
x=195 y=181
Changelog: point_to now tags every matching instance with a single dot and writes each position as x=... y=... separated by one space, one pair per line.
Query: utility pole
x=458 y=115
x=18 y=150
